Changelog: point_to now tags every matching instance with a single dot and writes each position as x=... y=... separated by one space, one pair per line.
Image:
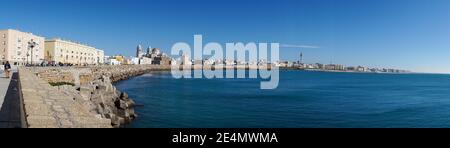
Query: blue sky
x=405 y=34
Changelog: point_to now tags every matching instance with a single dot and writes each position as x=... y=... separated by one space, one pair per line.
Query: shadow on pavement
x=10 y=111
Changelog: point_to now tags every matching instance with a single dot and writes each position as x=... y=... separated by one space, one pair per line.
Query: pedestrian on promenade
x=7 y=69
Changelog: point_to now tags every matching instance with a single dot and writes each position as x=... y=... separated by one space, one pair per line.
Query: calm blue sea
x=303 y=100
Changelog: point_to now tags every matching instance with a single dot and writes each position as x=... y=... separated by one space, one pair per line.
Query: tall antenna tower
x=301 y=58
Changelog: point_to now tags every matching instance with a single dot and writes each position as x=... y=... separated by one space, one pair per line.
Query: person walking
x=7 y=69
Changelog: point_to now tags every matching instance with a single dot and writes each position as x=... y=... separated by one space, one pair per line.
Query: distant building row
x=153 y=56
x=15 y=48
x=337 y=67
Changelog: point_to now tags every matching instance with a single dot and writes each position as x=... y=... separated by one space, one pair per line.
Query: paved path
x=4 y=83
x=9 y=101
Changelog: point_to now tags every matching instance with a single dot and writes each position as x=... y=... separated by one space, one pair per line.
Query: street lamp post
x=31 y=45
x=28 y=54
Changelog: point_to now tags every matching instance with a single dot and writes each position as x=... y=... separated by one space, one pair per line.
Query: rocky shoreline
x=93 y=88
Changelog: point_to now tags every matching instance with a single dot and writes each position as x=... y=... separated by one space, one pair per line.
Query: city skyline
x=397 y=34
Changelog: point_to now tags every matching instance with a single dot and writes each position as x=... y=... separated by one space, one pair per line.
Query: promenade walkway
x=9 y=101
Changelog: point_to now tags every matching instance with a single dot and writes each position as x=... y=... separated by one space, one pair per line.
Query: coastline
x=93 y=89
x=343 y=71
x=198 y=99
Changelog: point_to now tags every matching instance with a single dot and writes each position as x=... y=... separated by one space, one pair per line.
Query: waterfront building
x=159 y=58
x=14 y=47
x=280 y=64
x=141 y=61
x=142 y=58
x=208 y=62
x=335 y=67
x=320 y=66
x=111 y=60
x=135 y=60
x=156 y=52
x=146 y=61
x=105 y=59
x=309 y=66
x=100 y=57
x=185 y=60
x=289 y=64
x=120 y=58
x=198 y=62
x=139 y=51
x=360 y=69
x=116 y=60
x=252 y=63
x=162 y=60
x=340 y=67
x=262 y=62
x=329 y=67
x=241 y=63
x=127 y=62
x=350 y=68
x=230 y=62
x=218 y=62
x=149 y=50
x=69 y=52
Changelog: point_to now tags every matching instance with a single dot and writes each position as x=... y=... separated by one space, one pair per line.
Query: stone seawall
x=46 y=107
x=80 y=96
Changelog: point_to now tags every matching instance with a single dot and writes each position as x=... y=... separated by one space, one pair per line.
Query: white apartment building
x=14 y=47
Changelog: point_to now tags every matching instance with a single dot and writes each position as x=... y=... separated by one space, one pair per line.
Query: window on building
x=4 y=35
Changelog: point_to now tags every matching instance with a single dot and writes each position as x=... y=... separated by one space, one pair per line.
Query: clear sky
x=405 y=34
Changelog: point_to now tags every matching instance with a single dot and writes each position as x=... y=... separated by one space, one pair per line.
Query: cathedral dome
x=156 y=51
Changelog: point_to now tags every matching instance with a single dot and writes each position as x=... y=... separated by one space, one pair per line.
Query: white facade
x=209 y=62
x=229 y=62
x=135 y=61
x=141 y=61
x=64 y=51
x=113 y=62
x=145 y=61
x=185 y=60
x=100 y=57
x=14 y=47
